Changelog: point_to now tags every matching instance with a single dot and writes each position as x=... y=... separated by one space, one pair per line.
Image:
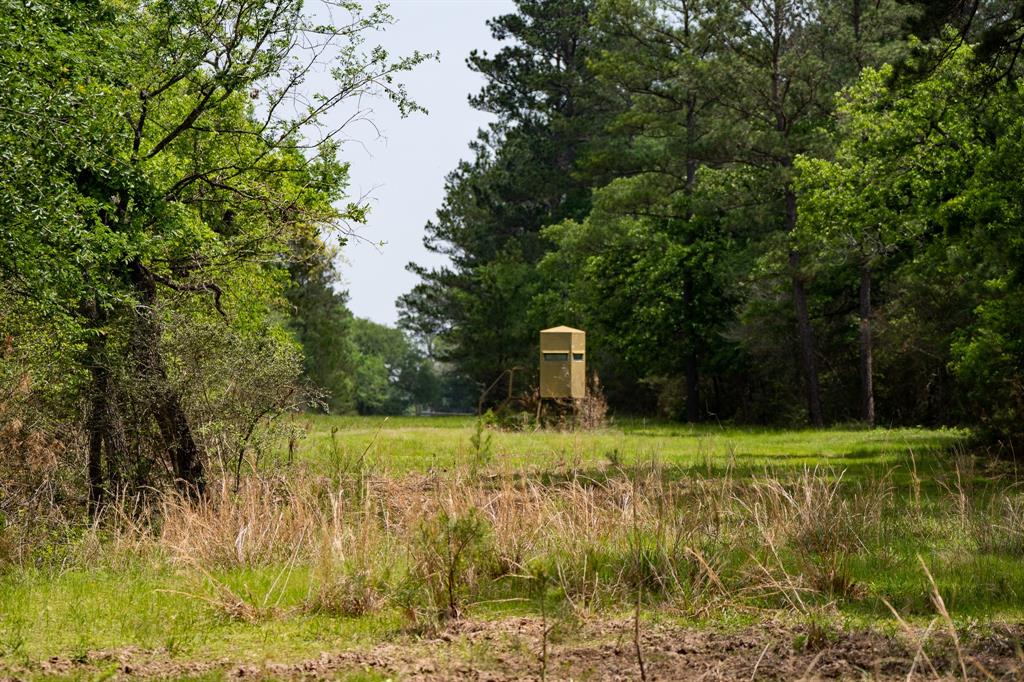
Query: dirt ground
x=511 y=649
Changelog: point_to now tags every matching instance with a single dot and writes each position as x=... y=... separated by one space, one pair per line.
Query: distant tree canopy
x=789 y=211
x=392 y=376
x=522 y=177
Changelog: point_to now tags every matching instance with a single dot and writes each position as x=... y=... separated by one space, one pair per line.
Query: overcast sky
x=404 y=170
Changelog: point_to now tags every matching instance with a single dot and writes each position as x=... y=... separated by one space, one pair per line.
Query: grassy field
x=400 y=444
x=385 y=532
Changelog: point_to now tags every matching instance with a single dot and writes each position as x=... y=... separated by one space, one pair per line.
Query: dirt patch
x=510 y=649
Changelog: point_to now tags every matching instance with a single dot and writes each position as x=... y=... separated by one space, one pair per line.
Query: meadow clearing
x=438 y=548
x=803 y=213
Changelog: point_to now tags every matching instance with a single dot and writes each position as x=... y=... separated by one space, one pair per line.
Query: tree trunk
x=805 y=333
x=98 y=392
x=114 y=442
x=866 y=351
x=175 y=431
x=107 y=443
x=692 y=389
x=168 y=412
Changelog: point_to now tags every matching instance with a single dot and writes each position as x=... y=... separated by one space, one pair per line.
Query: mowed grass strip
x=399 y=444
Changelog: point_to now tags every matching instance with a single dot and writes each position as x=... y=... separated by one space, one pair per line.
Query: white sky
x=403 y=171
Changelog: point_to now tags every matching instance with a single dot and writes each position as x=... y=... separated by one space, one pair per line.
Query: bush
x=989 y=362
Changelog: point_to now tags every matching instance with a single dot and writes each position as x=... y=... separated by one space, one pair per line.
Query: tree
x=916 y=173
x=178 y=159
x=854 y=206
x=322 y=322
x=782 y=61
x=523 y=176
x=658 y=54
x=392 y=376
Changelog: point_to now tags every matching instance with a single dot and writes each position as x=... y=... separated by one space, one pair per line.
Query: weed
x=482 y=446
x=12 y=641
x=448 y=557
x=819 y=631
x=591 y=411
x=181 y=636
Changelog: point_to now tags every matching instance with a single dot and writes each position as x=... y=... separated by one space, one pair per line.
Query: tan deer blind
x=563 y=363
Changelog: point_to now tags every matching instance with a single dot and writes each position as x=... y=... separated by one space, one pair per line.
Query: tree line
x=775 y=211
x=766 y=211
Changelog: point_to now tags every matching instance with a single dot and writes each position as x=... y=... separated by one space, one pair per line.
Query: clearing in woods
x=434 y=548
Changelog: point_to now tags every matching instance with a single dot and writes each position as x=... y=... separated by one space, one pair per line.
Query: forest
x=793 y=231
x=762 y=212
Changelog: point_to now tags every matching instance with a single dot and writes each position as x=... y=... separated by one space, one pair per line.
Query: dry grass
x=34 y=483
x=592 y=410
x=433 y=546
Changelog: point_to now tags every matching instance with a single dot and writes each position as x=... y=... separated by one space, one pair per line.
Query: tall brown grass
x=432 y=545
x=368 y=539
x=36 y=489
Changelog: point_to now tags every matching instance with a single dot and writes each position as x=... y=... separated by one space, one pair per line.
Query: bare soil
x=510 y=649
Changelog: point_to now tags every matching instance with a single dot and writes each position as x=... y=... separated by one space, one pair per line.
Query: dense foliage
x=167 y=183
x=751 y=207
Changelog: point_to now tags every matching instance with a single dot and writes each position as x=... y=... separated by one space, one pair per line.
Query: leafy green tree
x=392 y=376
x=781 y=63
x=922 y=170
x=867 y=203
x=177 y=165
x=658 y=54
x=322 y=322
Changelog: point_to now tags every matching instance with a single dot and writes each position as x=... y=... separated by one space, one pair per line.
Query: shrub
x=448 y=557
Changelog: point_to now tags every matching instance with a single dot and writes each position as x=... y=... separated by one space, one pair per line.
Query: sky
x=403 y=170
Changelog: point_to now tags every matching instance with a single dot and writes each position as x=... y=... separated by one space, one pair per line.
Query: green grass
x=172 y=613
x=399 y=444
